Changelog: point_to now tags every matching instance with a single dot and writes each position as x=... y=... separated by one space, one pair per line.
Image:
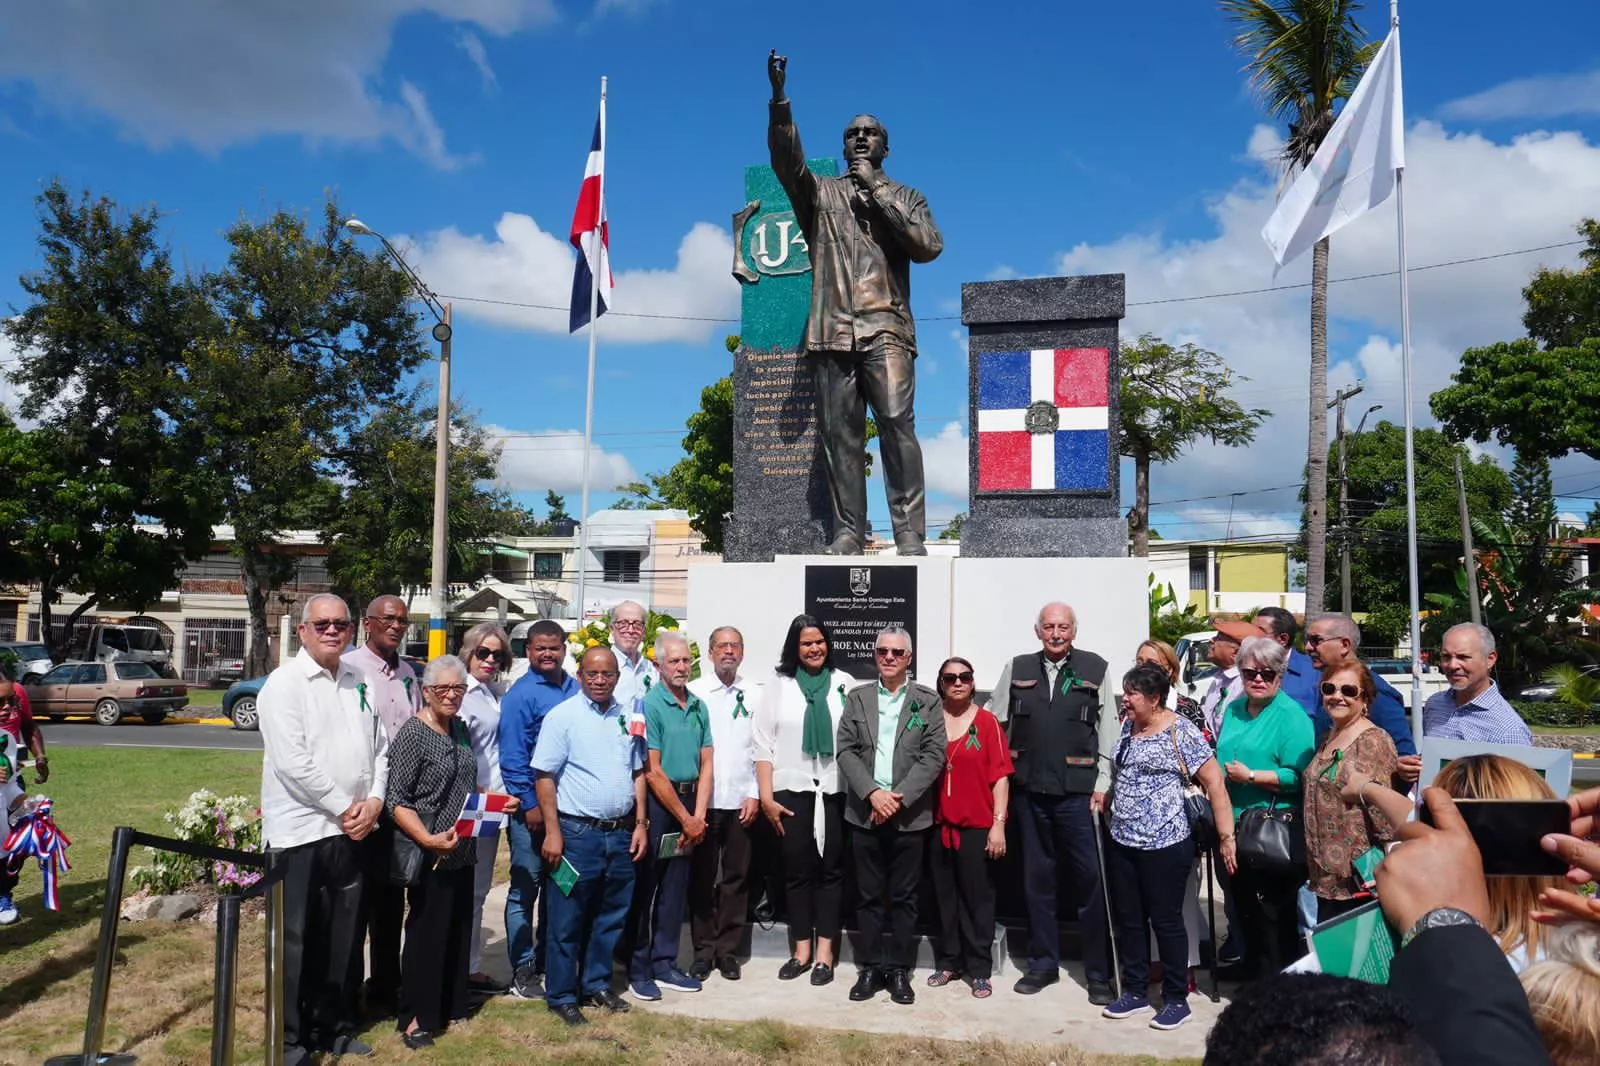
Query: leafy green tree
x=1171 y=397
x=1304 y=57
x=555 y=506
x=309 y=336
x=952 y=528
x=106 y=497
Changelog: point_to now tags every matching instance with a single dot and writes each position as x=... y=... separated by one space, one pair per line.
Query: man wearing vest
x=1060 y=713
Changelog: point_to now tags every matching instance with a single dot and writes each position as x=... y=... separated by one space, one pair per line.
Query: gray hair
x=305 y=608
x=1056 y=603
x=1343 y=626
x=1263 y=653
x=437 y=666
x=667 y=636
x=726 y=629
x=893 y=631
x=480 y=633
x=643 y=614
x=1485 y=637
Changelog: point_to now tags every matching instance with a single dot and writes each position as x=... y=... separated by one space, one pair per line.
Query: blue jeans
x=597 y=909
x=527 y=874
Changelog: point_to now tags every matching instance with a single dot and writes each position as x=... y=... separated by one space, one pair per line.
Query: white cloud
x=1467 y=196
x=524 y=264
x=944 y=461
x=553 y=459
x=472 y=45
x=217 y=74
x=10 y=394
x=1546 y=96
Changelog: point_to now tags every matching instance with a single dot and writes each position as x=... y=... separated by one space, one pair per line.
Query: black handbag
x=407 y=860
x=1272 y=840
x=1196 y=804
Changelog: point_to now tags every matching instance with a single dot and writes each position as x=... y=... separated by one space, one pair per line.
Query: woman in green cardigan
x=1264 y=741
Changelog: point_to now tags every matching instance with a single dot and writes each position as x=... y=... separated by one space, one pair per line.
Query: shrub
x=206 y=818
x=1552 y=715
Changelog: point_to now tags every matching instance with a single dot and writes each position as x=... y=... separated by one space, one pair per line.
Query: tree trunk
x=257 y=658
x=1317 y=439
x=1141 y=505
x=47 y=593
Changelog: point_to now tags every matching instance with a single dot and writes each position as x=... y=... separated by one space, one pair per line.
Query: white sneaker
x=8 y=911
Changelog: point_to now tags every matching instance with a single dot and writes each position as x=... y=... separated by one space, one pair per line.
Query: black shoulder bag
x=1196 y=804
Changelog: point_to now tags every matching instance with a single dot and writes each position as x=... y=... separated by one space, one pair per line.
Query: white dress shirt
x=633 y=681
x=480 y=710
x=778 y=725
x=733 y=766
x=324 y=749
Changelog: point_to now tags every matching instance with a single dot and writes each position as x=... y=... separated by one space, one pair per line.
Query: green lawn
x=1570 y=731
x=205 y=697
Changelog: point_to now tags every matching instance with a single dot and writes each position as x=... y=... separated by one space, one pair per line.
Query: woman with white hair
x=1264 y=742
x=486 y=650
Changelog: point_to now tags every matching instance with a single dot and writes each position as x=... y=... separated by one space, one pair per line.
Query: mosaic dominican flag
x=1044 y=421
x=482 y=814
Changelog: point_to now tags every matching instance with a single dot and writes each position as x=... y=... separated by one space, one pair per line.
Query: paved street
x=81 y=733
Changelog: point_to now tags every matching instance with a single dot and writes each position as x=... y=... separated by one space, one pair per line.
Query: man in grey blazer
x=891 y=750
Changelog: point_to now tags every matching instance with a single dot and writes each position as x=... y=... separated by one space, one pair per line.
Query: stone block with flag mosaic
x=1044 y=420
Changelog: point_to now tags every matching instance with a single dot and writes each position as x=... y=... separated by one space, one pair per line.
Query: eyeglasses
x=446 y=691
x=1349 y=692
x=963 y=678
x=596 y=675
x=1314 y=640
x=627 y=623
x=481 y=653
x=388 y=621
x=726 y=645
x=1258 y=675
x=338 y=625
x=892 y=653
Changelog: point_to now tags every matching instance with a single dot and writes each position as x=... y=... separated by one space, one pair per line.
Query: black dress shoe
x=1101 y=994
x=608 y=1000
x=345 y=1044
x=569 y=1013
x=700 y=970
x=792 y=969
x=730 y=970
x=843 y=544
x=867 y=985
x=1035 y=980
x=821 y=975
x=900 y=987
x=417 y=1039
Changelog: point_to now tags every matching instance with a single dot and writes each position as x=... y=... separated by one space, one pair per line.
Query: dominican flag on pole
x=1044 y=420
x=589 y=233
x=482 y=815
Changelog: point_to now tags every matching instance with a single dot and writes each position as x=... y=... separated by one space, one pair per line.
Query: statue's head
x=865 y=138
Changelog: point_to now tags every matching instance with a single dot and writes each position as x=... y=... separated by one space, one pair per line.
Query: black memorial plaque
x=856 y=603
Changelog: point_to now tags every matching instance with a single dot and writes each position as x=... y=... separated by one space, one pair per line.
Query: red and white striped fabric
x=590 y=235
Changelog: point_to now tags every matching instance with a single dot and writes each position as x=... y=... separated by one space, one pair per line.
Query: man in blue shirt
x=592 y=797
x=1473 y=709
x=1300 y=677
x=1333 y=640
x=522 y=712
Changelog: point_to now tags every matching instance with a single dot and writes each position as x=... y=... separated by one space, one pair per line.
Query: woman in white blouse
x=794 y=732
x=487 y=652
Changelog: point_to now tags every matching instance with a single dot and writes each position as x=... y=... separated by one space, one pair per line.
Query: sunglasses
x=891 y=653
x=1349 y=692
x=1313 y=640
x=963 y=678
x=338 y=625
x=1258 y=675
x=481 y=653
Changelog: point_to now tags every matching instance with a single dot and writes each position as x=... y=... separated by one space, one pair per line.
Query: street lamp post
x=441 y=448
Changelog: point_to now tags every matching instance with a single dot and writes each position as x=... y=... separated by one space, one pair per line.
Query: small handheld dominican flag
x=1044 y=420
x=482 y=815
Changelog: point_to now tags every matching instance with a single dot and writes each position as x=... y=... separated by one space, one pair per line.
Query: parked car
x=1545 y=691
x=239 y=702
x=32 y=660
x=107 y=692
x=226 y=671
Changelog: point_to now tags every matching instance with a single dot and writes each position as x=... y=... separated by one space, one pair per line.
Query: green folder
x=565 y=875
x=673 y=846
x=1357 y=944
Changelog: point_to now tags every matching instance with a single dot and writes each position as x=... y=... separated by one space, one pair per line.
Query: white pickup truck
x=1194 y=669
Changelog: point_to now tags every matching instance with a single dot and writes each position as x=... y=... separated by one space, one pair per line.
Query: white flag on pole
x=1353 y=171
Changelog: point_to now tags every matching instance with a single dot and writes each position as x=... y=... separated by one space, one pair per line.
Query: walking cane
x=1105 y=894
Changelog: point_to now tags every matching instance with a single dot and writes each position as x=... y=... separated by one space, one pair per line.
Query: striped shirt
x=1486 y=719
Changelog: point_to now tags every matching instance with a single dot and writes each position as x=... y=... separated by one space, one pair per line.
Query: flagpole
x=596 y=267
x=1411 y=458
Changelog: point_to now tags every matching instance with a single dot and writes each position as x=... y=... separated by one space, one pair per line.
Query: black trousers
x=966 y=902
x=383 y=908
x=888 y=865
x=433 y=969
x=1269 y=913
x=813 y=884
x=322 y=889
x=1147 y=893
x=719 y=888
x=1058 y=846
x=847 y=383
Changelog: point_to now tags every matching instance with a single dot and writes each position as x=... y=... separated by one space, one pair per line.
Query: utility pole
x=1340 y=398
x=1473 y=606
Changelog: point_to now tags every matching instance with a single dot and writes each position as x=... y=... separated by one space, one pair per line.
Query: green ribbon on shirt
x=916 y=719
x=973 y=743
x=1333 y=767
x=1068 y=679
x=739 y=709
x=361 y=687
x=409 y=698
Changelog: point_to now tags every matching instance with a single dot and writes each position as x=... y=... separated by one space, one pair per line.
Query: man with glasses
x=1062 y=726
x=891 y=750
x=391 y=690
x=720 y=866
x=592 y=797
x=522 y=713
x=636 y=672
x=1333 y=641
x=324 y=769
x=1300 y=677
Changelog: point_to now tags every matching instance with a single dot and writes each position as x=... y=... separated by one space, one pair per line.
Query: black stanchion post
x=106 y=953
x=274 y=963
x=226 y=980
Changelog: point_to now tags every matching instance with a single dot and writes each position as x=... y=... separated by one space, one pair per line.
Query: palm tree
x=1303 y=57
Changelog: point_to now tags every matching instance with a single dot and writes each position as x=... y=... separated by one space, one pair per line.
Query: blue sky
x=1048 y=138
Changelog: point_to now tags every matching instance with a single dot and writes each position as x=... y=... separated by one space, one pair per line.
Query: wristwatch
x=1438 y=918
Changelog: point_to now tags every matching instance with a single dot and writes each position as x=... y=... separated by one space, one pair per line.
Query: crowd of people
x=637 y=798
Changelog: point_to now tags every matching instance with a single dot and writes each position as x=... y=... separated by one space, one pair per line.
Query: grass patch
x=161 y=989
x=205 y=697
x=1569 y=731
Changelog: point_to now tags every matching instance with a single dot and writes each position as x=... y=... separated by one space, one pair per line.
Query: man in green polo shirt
x=677 y=731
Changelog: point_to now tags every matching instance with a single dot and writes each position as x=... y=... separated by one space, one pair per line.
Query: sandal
x=981 y=988
x=940 y=978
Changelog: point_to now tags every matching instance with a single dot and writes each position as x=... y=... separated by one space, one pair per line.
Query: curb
x=201 y=721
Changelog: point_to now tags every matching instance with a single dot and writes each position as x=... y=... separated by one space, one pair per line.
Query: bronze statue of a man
x=864 y=231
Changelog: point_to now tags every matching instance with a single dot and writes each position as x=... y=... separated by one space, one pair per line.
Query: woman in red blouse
x=971 y=815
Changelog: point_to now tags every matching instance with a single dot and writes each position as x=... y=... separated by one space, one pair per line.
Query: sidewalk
x=1059 y=1014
